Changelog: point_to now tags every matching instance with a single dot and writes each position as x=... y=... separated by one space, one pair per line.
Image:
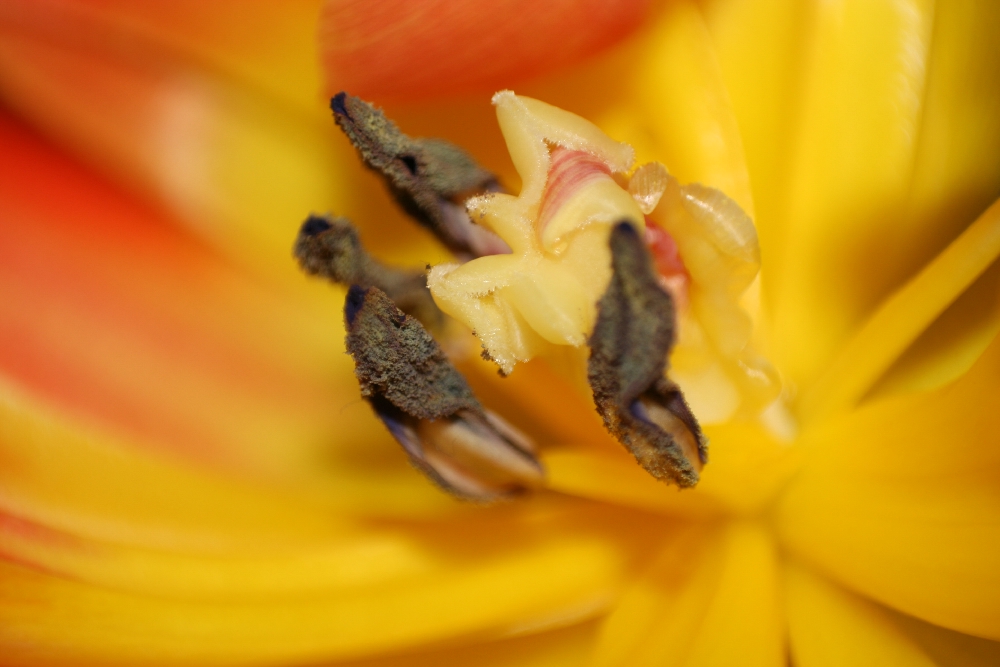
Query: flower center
x=626 y=261
x=576 y=186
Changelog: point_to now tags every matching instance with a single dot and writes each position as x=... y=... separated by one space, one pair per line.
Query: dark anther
x=352 y=304
x=429 y=178
x=338 y=104
x=330 y=247
x=314 y=225
x=428 y=407
x=629 y=347
x=411 y=163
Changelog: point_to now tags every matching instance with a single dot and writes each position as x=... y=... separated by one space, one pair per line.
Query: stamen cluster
x=591 y=252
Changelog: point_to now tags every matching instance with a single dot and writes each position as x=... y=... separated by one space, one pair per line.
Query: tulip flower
x=189 y=474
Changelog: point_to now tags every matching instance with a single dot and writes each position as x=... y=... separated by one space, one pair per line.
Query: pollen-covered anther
x=429 y=178
x=330 y=247
x=429 y=408
x=629 y=347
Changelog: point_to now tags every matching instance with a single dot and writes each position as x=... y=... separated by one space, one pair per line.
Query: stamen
x=330 y=247
x=683 y=259
x=428 y=406
x=632 y=337
x=650 y=411
x=429 y=178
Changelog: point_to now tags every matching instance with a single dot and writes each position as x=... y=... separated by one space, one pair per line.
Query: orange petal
x=268 y=44
x=108 y=310
x=239 y=169
x=396 y=49
x=111 y=315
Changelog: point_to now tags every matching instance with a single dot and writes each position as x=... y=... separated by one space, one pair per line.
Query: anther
x=330 y=247
x=629 y=346
x=429 y=408
x=429 y=178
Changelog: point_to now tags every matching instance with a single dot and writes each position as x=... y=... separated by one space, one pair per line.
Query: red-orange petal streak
x=268 y=44
x=399 y=49
x=109 y=312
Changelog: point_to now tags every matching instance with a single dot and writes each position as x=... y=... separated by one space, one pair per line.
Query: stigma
x=578 y=183
x=545 y=291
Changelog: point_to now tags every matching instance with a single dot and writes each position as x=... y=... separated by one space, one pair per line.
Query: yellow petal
x=947 y=349
x=709 y=599
x=903 y=316
x=901 y=501
x=564 y=647
x=72 y=477
x=269 y=569
x=748 y=581
x=760 y=76
x=947 y=647
x=894 y=154
x=661 y=609
x=683 y=104
x=525 y=399
x=829 y=626
x=956 y=175
x=747 y=467
x=47 y=619
x=617 y=478
x=289 y=563
x=855 y=141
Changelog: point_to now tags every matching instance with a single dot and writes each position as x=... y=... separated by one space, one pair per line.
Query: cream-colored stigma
x=576 y=186
x=546 y=290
